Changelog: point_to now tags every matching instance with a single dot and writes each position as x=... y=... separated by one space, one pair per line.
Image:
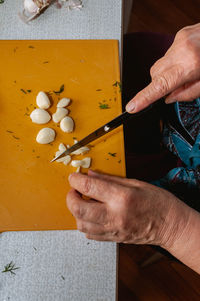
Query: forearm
x=185 y=244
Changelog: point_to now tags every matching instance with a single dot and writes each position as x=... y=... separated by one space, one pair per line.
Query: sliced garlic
x=67 y=159
x=45 y=136
x=64 y=102
x=30 y=6
x=82 y=150
x=62 y=147
x=59 y=115
x=78 y=169
x=40 y=116
x=76 y=163
x=42 y=100
x=85 y=163
x=67 y=124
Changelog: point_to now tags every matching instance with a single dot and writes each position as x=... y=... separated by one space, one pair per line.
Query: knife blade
x=106 y=128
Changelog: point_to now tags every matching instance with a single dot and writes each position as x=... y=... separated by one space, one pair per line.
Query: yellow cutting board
x=33 y=190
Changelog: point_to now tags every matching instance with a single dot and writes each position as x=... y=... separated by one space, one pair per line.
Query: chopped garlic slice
x=62 y=147
x=85 y=163
x=82 y=150
x=78 y=169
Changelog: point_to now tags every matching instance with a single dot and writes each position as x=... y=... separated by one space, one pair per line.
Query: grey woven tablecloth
x=59 y=265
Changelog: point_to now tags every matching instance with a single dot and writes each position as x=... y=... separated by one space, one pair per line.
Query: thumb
x=160 y=86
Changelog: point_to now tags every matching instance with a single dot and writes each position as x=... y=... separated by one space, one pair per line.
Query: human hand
x=176 y=75
x=124 y=210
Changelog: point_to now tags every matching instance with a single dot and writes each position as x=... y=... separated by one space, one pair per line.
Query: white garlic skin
x=67 y=124
x=45 y=136
x=64 y=102
x=42 y=100
x=30 y=6
x=40 y=116
x=76 y=163
x=59 y=114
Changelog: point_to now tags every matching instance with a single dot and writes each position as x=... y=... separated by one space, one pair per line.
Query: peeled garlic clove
x=40 y=116
x=59 y=115
x=67 y=160
x=62 y=147
x=76 y=163
x=82 y=150
x=86 y=162
x=67 y=124
x=45 y=136
x=42 y=100
x=64 y=102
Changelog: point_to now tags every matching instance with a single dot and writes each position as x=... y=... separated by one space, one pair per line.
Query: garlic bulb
x=42 y=100
x=40 y=116
x=67 y=124
x=64 y=102
x=45 y=136
x=59 y=114
x=33 y=8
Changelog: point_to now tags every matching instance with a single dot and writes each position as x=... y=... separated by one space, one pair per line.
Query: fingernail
x=170 y=100
x=130 y=107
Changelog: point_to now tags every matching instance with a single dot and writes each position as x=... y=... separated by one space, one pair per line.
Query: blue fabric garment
x=184 y=180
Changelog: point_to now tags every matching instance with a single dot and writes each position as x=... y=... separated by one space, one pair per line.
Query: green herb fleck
x=99 y=90
x=118 y=84
x=37 y=157
x=10 y=132
x=112 y=154
x=46 y=62
x=35 y=248
x=15 y=81
x=10 y=267
x=119 y=161
x=26 y=114
x=23 y=91
x=17 y=138
x=31 y=46
x=103 y=106
x=33 y=151
x=74 y=138
x=63 y=278
x=29 y=91
x=27 y=109
x=62 y=88
x=1 y=1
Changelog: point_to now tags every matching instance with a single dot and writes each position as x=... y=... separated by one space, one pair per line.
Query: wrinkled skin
x=176 y=75
x=123 y=210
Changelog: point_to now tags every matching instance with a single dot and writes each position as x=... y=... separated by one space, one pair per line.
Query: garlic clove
x=45 y=136
x=86 y=162
x=40 y=116
x=62 y=147
x=67 y=124
x=76 y=163
x=67 y=159
x=59 y=115
x=82 y=150
x=42 y=100
x=64 y=102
